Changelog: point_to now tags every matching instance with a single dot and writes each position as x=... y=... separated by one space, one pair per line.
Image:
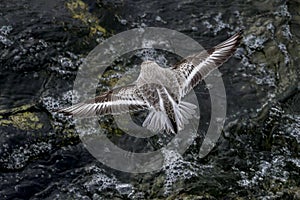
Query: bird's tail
x=184 y=111
x=159 y=120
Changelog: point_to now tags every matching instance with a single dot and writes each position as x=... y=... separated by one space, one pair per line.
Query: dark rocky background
x=42 y=44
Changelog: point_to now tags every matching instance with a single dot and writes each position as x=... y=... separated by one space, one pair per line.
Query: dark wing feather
x=195 y=68
x=116 y=101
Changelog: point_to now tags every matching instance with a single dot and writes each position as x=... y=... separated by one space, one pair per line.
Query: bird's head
x=147 y=63
x=148 y=68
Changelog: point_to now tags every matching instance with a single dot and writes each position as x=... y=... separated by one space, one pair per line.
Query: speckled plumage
x=160 y=90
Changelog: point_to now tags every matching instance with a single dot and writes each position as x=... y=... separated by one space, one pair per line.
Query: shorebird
x=160 y=90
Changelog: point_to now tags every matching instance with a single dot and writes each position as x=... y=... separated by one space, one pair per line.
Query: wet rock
x=41 y=50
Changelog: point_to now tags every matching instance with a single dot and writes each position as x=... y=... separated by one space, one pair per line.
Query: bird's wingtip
x=63 y=111
x=239 y=34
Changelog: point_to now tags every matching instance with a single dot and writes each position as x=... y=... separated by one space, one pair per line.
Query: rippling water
x=42 y=44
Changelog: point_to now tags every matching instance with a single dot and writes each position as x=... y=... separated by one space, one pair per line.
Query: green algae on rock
x=23 y=121
x=79 y=10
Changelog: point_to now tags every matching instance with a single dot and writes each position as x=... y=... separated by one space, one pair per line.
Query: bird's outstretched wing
x=195 y=68
x=116 y=101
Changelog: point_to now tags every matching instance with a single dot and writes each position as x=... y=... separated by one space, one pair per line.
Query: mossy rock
x=20 y=118
x=23 y=121
x=80 y=11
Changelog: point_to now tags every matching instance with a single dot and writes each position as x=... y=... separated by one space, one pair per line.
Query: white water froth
x=176 y=169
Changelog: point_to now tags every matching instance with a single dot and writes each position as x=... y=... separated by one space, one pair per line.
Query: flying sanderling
x=160 y=90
